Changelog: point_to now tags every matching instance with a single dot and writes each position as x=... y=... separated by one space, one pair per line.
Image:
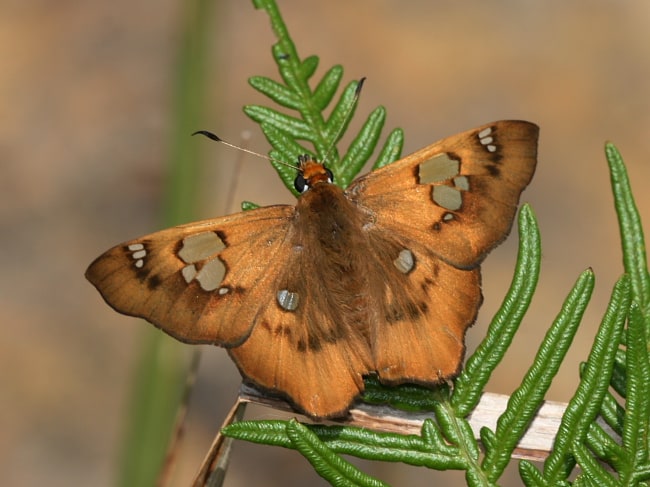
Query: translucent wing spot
x=138 y=253
x=189 y=273
x=486 y=140
x=287 y=300
x=223 y=291
x=405 y=261
x=447 y=197
x=211 y=275
x=462 y=183
x=439 y=168
x=448 y=216
x=198 y=248
x=484 y=133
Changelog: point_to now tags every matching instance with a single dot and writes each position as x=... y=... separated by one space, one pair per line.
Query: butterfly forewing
x=380 y=279
x=202 y=282
x=458 y=195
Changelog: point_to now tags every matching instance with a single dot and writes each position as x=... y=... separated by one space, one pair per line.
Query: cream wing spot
x=138 y=253
x=439 y=168
x=211 y=275
x=189 y=273
x=198 y=248
x=462 y=183
x=447 y=197
x=485 y=132
x=486 y=140
x=288 y=300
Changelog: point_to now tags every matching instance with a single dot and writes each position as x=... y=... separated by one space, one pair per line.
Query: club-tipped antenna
x=216 y=138
x=346 y=118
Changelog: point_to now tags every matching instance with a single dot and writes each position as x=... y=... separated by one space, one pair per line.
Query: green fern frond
x=428 y=449
x=287 y=133
x=583 y=408
x=470 y=384
x=625 y=448
x=631 y=230
x=328 y=464
x=528 y=397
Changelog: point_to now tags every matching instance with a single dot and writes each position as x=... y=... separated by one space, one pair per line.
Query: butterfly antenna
x=216 y=138
x=346 y=119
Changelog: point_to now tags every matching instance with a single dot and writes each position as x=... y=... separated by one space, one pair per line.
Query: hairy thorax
x=325 y=214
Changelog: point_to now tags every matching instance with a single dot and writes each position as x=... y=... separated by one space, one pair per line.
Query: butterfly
x=380 y=278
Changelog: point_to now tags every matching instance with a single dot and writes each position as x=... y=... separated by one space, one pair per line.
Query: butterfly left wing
x=202 y=282
x=246 y=282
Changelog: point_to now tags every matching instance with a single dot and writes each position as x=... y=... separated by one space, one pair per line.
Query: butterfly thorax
x=329 y=230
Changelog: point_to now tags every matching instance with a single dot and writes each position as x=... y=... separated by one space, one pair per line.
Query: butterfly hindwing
x=310 y=343
x=426 y=307
x=288 y=354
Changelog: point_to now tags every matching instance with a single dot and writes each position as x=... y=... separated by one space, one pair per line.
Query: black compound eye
x=330 y=175
x=300 y=183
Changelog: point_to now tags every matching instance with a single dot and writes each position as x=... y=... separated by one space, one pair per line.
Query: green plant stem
x=161 y=369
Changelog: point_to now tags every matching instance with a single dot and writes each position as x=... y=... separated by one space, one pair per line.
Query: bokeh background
x=86 y=114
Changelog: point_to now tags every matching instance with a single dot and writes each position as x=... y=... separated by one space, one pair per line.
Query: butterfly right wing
x=459 y=195
x=435 y=215
x=202 y=282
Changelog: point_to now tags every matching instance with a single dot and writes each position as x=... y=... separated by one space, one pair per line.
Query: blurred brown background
x=86 y=111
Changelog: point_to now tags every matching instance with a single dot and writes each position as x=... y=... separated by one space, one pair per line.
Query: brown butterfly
x=381 y=278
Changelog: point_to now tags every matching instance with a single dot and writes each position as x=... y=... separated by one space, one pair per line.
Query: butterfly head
x=311 y=173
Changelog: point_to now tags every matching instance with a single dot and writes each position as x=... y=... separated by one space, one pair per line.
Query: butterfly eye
x=300 y=183
x=330 y=176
